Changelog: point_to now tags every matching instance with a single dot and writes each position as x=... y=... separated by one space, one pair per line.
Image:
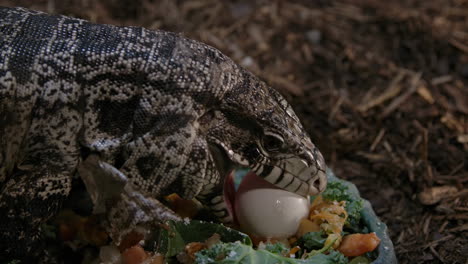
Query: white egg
x=270 y=213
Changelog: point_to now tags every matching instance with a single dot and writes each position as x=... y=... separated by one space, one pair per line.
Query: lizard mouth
x=293 y=175
x=246 y=179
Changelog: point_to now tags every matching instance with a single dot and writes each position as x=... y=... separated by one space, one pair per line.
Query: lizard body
x=168 y=114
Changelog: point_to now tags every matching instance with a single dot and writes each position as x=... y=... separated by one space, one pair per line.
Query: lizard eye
x=272 y=142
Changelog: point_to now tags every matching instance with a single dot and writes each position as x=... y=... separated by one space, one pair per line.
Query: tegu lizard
x=165 y=113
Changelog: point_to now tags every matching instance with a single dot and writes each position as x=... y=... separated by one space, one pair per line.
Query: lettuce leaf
x=172 y=240
x=235 y=247
x=277 y=248
x=232 y=253
x=313 y=240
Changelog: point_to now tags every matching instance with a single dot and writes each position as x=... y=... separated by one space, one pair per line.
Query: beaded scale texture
x=153 y=111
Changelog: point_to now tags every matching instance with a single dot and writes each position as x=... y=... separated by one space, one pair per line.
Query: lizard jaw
x=252 y=181
x=294 y=175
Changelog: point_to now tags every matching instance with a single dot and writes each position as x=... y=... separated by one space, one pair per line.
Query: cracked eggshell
x=267 y=211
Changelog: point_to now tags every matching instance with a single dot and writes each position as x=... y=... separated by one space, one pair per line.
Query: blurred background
x=381 y=86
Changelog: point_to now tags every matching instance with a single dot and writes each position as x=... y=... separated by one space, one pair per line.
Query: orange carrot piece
x=358 y=244
x=182 y=207
x=130 y=240
x=192 y=248
x=293 y=250
x=134 y=255
x=158 y=259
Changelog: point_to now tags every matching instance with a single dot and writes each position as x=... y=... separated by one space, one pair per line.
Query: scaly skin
x=164 y=113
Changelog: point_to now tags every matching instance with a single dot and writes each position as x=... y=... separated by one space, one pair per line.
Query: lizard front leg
x=150 y=164
x=26 y=202
x=213 y=197
x=216 y=189
x=202 y=180
x=124 y=207
x=40 y=178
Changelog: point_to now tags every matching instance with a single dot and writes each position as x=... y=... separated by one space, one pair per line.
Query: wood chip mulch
x=382 y=87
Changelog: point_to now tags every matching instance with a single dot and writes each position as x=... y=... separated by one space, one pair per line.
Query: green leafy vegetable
x=338 y=191
x=326 y=247
x=360 y=260
x=172 y=240
x=233 y=253
x=15 y=261
x=313 y=240
x=235 y=247
x=333 y=257
x=277 y=248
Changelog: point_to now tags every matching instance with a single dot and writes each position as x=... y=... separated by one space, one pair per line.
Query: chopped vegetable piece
x=358 y=244
x=157 y=259
x=360 y=260
x=194 y=247
x=313 y=240
x=134 y=255
x=93 y=233
x=182 y=207
x=292 y=240
x=214 y=239
x=67 y=232
x=72 y=226
x=172 y=239
x=338 y=191
x=69 y=224
x=228 y=253
x=294 y=250
x=331 y=216
x=130 y=240
x=277 y=248
x=306 y=226
x=109 y=254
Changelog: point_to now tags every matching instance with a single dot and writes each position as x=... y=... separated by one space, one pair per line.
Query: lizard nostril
x=317 y=184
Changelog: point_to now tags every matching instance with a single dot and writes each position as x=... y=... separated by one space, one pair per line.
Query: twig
x=393 y=89
x=377 y=139
x=335 y=108
x=459 y=228
x=435 y=253
x=459 y=45
x=435 y=242
x=402 y=98
x=441 y=79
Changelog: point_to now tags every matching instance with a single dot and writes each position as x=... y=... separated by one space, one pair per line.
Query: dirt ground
x=381 y=86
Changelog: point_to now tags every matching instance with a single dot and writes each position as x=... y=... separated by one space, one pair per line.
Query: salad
x=339 y=228
x=332 y=233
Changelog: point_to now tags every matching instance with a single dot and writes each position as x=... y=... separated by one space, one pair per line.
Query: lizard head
x=257 y=128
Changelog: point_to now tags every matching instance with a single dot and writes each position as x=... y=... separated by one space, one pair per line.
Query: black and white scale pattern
x=169 y=113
